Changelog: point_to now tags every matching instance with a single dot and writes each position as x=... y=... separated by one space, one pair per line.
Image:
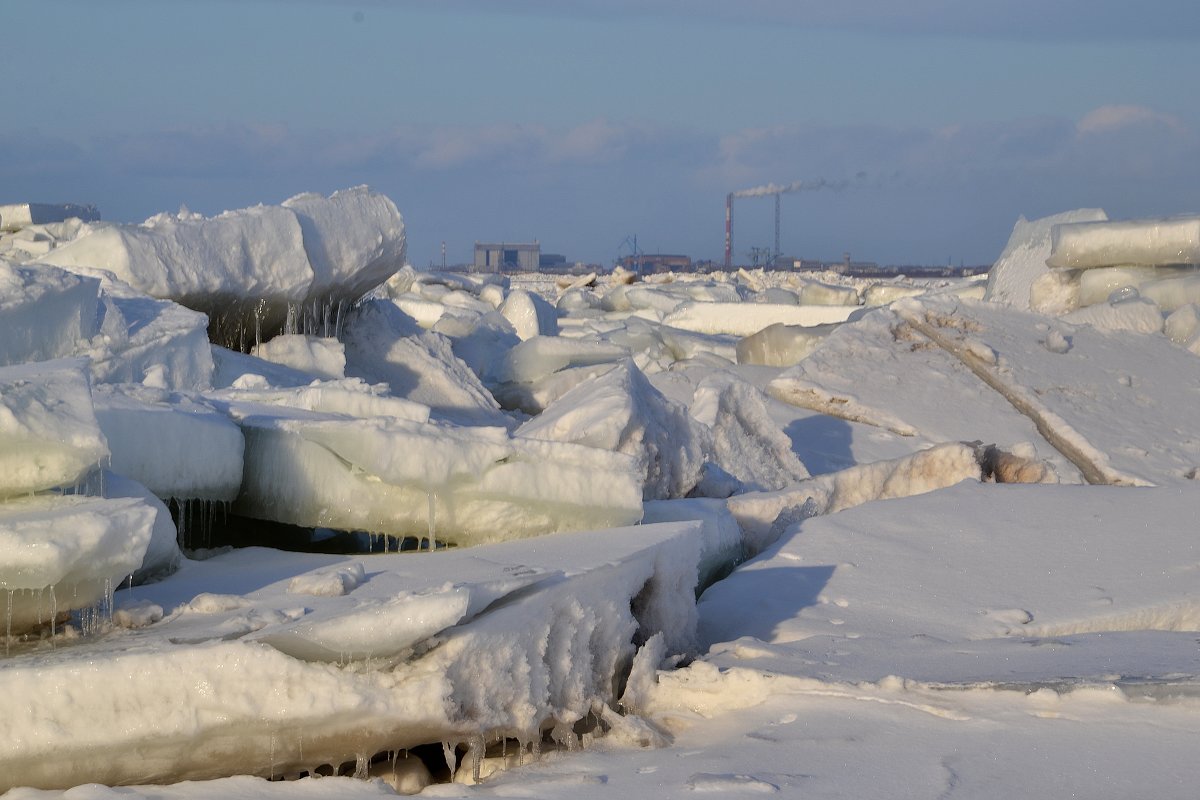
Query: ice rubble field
x=747 y=533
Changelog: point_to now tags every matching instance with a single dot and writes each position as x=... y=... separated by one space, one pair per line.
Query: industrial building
x=507 y=257
x=655 y=262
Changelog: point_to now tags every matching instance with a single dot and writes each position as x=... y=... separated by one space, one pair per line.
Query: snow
x=933 y=604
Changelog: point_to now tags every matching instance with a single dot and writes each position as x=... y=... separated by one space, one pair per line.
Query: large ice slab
x=744 y=319
x=349 y=460
x=255 y=270
x=1143 y=242
x=505 y=640
x=48 y=431
x=463 y=486
x=175 y=445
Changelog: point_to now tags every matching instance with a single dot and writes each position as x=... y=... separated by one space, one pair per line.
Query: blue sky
x=581 y=123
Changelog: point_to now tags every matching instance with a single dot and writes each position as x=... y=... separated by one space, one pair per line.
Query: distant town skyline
x=932 y=124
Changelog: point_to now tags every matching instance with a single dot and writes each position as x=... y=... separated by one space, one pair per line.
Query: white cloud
x=1116 y=117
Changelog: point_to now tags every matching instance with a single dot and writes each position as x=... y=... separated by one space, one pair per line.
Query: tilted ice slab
x=780 y=345
x=1000 y=584
x=61 y=553
x=746 y=442
x=1143 y=242
x=177 y=446
x=502 y=641
x=764 y=516
x=382 y=344
x=744 y=319
x=253 y=267
x=45 y=312
x=48 y=431
x=620 y=411
x=1023 y=260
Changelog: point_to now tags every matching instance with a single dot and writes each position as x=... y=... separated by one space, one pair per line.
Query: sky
x=934 y=124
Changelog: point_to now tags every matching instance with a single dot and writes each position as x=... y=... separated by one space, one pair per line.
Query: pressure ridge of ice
x=584 y=456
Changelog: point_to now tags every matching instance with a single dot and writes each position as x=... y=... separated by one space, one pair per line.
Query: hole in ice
x=204 y=525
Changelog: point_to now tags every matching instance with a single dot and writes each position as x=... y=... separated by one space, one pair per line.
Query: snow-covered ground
x=753 y=533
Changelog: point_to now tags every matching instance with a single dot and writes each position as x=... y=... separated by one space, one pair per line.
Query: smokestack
x=729 y=231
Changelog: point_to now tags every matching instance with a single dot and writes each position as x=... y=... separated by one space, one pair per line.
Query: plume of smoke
x=795 y=186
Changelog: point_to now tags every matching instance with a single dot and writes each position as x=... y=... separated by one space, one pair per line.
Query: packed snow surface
x=934 y=604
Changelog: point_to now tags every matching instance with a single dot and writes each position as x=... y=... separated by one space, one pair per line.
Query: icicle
x=8 y=622
x=431 y=500
x=451 y=757
x=362 y=765
x=475 y=751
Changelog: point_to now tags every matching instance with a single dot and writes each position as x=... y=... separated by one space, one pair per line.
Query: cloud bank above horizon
x=938 y=123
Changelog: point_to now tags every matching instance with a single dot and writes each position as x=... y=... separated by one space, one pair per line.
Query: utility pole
x=777 y=253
